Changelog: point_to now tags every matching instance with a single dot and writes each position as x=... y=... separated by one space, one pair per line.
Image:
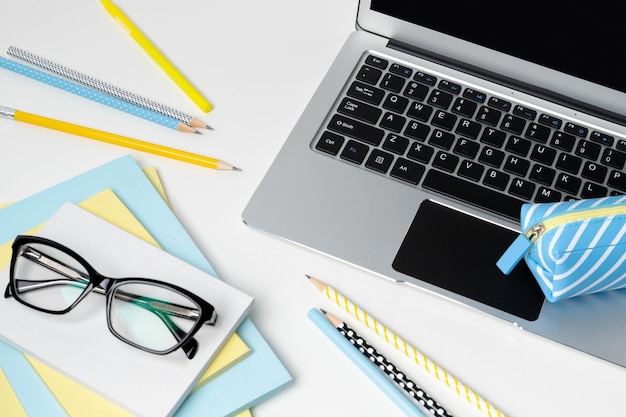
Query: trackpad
x=458 y=252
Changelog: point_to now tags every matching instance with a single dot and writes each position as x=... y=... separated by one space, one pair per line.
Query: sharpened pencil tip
x=236 y=169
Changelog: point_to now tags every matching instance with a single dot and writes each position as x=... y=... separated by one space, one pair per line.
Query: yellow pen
x=157 y=56
x=112 y=138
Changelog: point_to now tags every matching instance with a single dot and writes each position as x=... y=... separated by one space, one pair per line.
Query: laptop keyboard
x=446 y=137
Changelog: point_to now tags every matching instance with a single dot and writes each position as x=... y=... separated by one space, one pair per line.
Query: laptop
x=436 y=121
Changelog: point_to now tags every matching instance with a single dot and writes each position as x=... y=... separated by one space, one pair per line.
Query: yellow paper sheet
x=77 y=400
x=9 y=404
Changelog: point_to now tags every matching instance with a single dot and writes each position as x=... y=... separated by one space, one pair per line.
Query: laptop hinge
x=508 y=82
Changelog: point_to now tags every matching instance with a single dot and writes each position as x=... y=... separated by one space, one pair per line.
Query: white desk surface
x=259 y=62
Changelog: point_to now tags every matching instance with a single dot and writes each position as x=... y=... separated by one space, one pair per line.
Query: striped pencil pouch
x=572 y=248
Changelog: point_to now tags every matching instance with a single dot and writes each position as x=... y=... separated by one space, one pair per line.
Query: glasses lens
x=151 y=316
x=48 y=278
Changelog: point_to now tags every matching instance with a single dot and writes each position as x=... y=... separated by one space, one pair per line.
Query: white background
x=259 y=62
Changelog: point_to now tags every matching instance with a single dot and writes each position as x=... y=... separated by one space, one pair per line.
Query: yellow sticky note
x=10 y=405
x=234 y=350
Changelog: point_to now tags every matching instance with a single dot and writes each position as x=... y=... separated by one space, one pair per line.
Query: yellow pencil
x=157 y=56
x=112 y=138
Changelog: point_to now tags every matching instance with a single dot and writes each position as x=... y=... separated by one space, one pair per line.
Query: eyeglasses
x=150 y=315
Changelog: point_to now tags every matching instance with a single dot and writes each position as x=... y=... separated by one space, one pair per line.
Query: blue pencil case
x=572 y=248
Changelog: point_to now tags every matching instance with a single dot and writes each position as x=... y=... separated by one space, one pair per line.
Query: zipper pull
x=511 y=257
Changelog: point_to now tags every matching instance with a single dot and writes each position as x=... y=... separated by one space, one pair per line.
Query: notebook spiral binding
x=98 y=85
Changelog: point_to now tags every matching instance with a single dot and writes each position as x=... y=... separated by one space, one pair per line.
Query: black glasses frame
x=106 y=286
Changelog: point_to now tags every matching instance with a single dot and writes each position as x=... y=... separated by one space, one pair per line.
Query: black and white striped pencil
x=388 y=368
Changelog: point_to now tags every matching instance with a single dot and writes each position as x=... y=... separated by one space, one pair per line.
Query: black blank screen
x=586 y=41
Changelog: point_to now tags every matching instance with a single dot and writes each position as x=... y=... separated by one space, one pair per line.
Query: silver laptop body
x=412 y=234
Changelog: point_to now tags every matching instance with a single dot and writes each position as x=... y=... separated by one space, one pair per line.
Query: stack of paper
x=246 y=381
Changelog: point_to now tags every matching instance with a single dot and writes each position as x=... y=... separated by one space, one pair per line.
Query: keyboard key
x=427 y=79
x=359 y=110
x=396 y=144
x=449 y=86
x=417 y=130
x=419 y=111
x=420 y=152
x=546 y=119
x=392 y=82
x=471 y=170
x=537 y=132
x=524 y=112
x=393 y=122
x=396 y=103
x=440 y=99
x=369 y=74
x=408 y=171
x=621 y=144
x=563 y=141
x=464 y=107
x=567 y=183
x=441 y=139
x=543 y=154
x=468 y=128
x=575 y=129
x=366 y=93
x=379 y=161
x=518 y=146
x=516 y=166
x=569 y=163
x=355 y=129
x=472 y=193
x=498 y=103
x=513 y=124
x=602 y=138
x=522 y=188
x=493 y=137
x=488 y=116
x=617 y=180
x=330 y=143
x=444 y=120
x=613 y=158
x=547 y=195
x=491 y=157
x=400 y=70
x=542 y=174
x=376 y=62
x=496 y=179
x=354 y=152
x=588 y=149
x=446 y=161
x=416 y=91
x=467 y=148
x=593 y=190
x=478 y=96
x=594 y=172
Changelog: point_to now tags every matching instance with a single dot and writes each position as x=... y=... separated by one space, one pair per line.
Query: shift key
x=355 y=129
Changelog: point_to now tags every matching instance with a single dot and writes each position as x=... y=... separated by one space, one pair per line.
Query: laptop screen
x=582 y=41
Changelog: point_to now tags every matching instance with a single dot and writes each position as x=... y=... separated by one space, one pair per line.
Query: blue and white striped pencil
x=95 y=95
